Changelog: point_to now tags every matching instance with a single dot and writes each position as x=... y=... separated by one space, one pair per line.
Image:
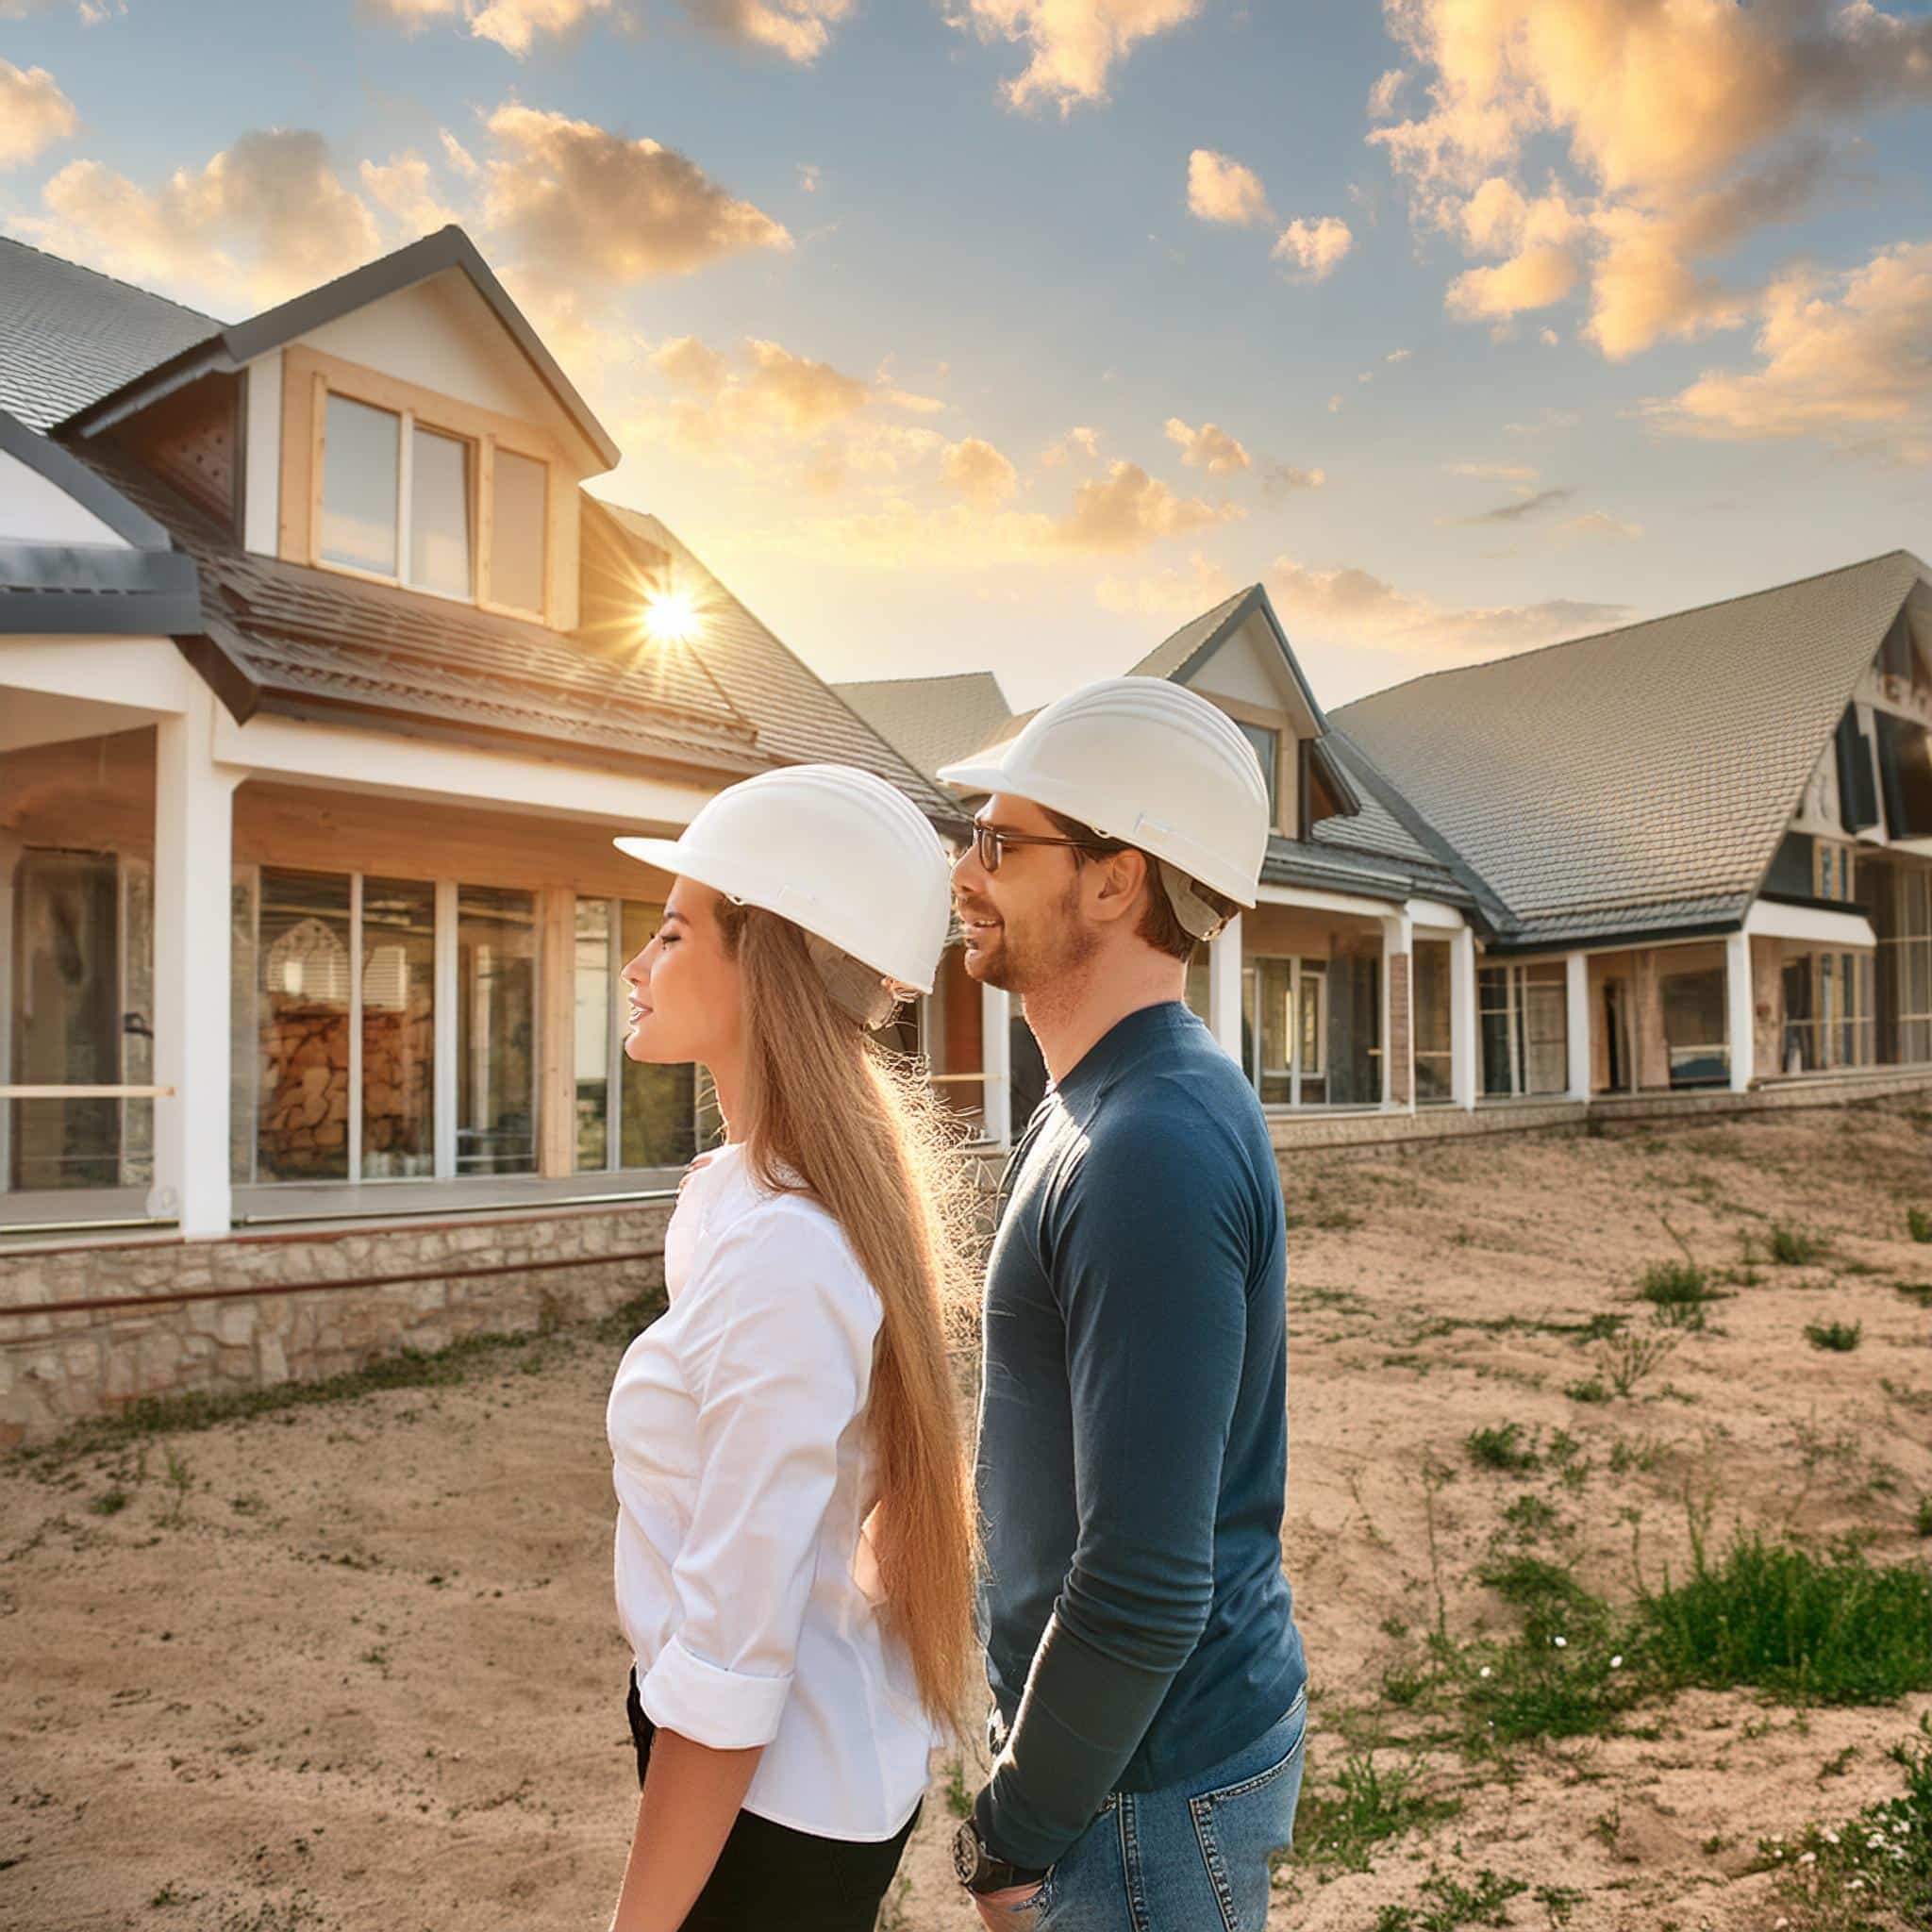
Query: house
x=324 y=683
x=1687 y=856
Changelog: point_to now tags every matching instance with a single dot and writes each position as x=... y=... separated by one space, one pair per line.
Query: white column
x=1398 y=944
x=1576 y=1023
x=194 y=824
x=1740 y=1020
x=1464 y=1039
x=444 y=1072
x=996 y=1062
x=1225 y=988
x=10 y=858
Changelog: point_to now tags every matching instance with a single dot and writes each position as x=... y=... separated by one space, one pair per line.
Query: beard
x=1052 y=951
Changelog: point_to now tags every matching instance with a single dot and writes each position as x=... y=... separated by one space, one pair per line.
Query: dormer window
x=1267 y=744
x=411 y=500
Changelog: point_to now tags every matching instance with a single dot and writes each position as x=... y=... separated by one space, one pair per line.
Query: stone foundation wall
x=59 y=1368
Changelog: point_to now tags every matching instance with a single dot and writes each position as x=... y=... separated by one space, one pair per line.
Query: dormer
x=401 y=425
x=1237 y=657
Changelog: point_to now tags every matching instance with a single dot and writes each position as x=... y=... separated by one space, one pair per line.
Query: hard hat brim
x=662 y=852
x=973 y=777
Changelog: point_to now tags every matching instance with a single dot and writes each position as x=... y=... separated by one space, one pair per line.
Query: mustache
x=972 y=909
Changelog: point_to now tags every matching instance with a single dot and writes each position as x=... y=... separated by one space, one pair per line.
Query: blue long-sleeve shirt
x=1133 y=1442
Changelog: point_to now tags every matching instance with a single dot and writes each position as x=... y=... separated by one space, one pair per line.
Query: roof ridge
x=935 y=677
x=1636 y=623
x=100 y=275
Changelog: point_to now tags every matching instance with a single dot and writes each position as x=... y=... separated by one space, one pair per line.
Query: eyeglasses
x=988 y=839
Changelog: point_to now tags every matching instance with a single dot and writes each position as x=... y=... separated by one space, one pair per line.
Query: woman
x=795 y=1550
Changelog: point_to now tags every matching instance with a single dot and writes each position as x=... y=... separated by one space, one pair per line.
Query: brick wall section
x=1401 y=1062
x=59 y=1368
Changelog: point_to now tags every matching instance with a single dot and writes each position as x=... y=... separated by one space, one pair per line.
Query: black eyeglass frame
x=987 y=837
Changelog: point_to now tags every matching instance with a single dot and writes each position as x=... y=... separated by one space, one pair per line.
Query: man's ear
x=1119 y=877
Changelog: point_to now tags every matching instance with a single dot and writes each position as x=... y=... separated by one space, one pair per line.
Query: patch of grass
x=1796 y=1247
x=1838 y=1338
x=1674 y=1284
x=1558 y=1901
x=1505 y=1448
x=1827 y=1628
x=1590 y=1389
x=1339 y=1824
x=1921 y=1522
x=959 y=1799
x=1919 y=1223
x=1565 y=1675
x=1447 y=1902
x=1529 y=1519
x=1874 y=1868
x=1920 y=1291
x=109 y=1502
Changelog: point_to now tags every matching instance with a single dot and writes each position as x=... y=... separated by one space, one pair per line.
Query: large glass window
x=360 y=470
x=1910 y=959
x=1430 y=1020
x=302 y=1018
x=519 y=529
x=442 y=506
x=1285 y=1030
x=595 y=997
x=496 y=1031
x=1524 y=1020
x=1694 y=1026
x=398 y=1028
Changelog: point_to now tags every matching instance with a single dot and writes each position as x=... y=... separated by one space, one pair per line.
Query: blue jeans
x=1190 y=1858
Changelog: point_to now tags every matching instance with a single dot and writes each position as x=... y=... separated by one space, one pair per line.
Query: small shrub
x=1590 y=1389
x=1922 y=1521
x=1529 y=1519
x=1795 y=1247
x=1840 y=1338
x=1626 y=1359
x=109 y=1503
x=1674 y=1284
x=1504 y=1449
x=1919 y=1224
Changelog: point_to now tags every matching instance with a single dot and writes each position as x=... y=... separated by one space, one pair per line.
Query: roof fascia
x=1254 y=598
x=1621 y=939
x=93 y=492
x=233 y=347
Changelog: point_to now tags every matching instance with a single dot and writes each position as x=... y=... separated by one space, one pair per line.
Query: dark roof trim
x=215 y=653
x=75 y=590
x=1613 y=939
x=1336 y=776
x=73 y=478
x=230 y=348
x=1252 y=599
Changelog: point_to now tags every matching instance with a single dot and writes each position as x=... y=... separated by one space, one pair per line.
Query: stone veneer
x=60 y=1369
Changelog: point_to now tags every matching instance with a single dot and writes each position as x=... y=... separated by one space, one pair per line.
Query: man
x=1147 y=1675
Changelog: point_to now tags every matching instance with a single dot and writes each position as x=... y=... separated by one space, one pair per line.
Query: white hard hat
x=837 y=851
x=1145 y=761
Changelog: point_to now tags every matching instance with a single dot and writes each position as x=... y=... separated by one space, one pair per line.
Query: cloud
x=1167 y=593
x=764 y=395
x=1079 y=441
x=1398 y=355
x=1127 y=509
x=1074 y=43
x=1318 y=246
x=34 y=113
x=575 y=199
x=1382 y=95
x=1335 y=404
x=1521 y=507
x=808 y=176
x=267 y=217
x=403 y=187
x=1681 y=129
x=978 y=472
x=1842 y=357
x=798 y=30
x=1598 y=522
x=1209 y=447
x=1221 y=189
x=1512 y=473
x=1284 y=479
x=513 y=24
x=1350 y=605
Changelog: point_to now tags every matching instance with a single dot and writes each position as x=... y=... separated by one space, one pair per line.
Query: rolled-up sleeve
x=778 y=1360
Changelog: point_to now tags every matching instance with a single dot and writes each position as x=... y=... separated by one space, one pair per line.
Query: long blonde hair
x=831 y=1112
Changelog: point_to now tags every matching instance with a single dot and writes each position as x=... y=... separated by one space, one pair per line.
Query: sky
x=1010 y=334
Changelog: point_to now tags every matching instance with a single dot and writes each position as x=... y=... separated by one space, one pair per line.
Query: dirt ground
x=356 y=1665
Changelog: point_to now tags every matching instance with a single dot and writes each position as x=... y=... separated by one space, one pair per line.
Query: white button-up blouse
x=743 y=1471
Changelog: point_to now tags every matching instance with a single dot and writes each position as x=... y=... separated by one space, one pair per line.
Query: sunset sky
x=1008 y=334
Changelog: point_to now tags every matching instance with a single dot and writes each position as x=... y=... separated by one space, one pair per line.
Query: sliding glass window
x=302 y=1027
x=398 y=1029
x=496 y=1030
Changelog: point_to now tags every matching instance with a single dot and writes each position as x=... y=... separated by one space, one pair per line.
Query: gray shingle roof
x=1640 y=777
x=69 y=336
x=799 y=718
x=934 y=720
x=1173 y=652
x=297 y=639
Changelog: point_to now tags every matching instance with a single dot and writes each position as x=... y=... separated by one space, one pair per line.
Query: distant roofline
x=1236 y=609
x=101 y=275
x=1635 y=624
x=229 y=346
x=843 y=684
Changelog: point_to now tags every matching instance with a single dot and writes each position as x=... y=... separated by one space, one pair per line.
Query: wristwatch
x=979 y=1870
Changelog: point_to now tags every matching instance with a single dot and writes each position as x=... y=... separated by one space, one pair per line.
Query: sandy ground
x=358 y=1668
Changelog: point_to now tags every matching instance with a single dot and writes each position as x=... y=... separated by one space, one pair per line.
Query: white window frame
x=1251 y=1007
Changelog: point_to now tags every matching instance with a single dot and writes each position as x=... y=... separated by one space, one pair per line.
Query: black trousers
x=770 y=1876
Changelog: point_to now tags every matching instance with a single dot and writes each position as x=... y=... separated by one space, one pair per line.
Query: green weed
x=1796 y=1247
x=1505 y=1448
x=1338 y=1825
x=1840 y=1338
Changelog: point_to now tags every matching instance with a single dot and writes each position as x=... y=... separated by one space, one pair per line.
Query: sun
x=670 y=617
